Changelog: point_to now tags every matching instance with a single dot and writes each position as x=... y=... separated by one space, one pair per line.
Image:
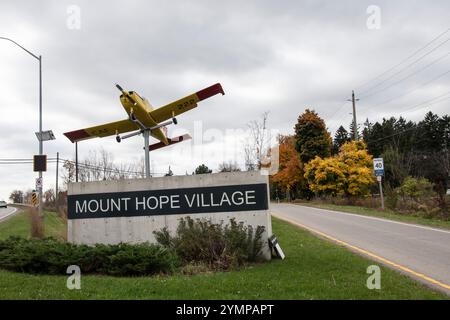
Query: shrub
x=49 y=256
x=391 y=197
x=221 y=247
x=416 y=188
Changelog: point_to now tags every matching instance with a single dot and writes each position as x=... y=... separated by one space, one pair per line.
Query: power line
x=105 y=169
x=408 y=76
x=334 y=113
x=23 y=159
x=403 y=69
x=429 y=102
x=395 y=134
x=404 y=60
x=417 y=87
x=8 y=161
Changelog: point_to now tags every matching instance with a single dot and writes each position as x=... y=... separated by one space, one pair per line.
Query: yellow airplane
x=142 y=117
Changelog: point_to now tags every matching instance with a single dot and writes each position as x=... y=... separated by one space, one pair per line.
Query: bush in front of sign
x=219 y=246
x=50 y=256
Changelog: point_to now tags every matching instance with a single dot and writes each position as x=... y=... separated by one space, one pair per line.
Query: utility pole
x=355 y=126
x=56 y=186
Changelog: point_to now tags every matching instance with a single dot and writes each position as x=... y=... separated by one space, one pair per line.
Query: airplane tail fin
x=172 y=141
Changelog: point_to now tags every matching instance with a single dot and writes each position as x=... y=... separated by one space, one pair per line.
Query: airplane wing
x=104 y=130
x=185 y=104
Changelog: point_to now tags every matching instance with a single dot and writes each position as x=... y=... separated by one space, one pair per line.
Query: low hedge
x=198 y=243
x=50 y=256
x=220 y=246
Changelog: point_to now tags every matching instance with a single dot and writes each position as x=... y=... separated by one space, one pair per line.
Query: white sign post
x=38 y=183
x=378 y=168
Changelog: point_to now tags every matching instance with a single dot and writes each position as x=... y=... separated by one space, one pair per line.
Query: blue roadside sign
x=378 y=166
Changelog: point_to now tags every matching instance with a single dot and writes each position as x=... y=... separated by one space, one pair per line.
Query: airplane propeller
x=126 y=94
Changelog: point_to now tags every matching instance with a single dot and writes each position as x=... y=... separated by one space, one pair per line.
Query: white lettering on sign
x=79 y=208
x=142 y=203
x=190 y=203
x=248 y=197
x=225 y=198
x=102 y=205
x=240 y=199
x=174 y=199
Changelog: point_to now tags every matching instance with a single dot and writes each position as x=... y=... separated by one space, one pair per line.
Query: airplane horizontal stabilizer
x=175 y=140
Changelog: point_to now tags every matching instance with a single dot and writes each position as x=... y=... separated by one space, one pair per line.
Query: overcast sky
x=277 y=56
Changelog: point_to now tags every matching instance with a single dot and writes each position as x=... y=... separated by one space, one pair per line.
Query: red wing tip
x=77 y=135
x=210 y=91
x=218 y=85
x=174 y=140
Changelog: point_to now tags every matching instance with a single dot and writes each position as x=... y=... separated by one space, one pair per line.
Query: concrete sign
x=248 y=197
x=130 y=210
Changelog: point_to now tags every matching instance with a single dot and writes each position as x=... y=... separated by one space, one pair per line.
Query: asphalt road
x=5 y=212
x=423 y=250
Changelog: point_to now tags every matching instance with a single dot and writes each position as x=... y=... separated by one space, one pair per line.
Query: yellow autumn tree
x=349 y=173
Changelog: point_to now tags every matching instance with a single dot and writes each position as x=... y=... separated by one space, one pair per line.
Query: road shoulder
x=427 y=280
x=386 y=215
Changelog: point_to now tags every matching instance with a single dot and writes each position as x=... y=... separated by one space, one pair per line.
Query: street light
x=39 y=58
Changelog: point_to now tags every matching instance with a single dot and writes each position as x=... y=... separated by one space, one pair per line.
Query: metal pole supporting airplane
x=143 y=119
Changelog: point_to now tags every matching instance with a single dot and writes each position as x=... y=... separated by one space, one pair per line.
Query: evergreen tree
x=202 y=169
x=341 y=136
x=432 y=136
x=311 y=137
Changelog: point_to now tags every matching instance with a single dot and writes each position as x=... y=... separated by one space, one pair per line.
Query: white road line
x=374 y=218
x=4 y=217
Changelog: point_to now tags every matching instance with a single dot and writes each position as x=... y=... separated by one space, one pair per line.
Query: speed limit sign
x=378 y=166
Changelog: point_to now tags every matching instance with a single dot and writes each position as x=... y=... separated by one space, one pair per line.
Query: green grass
x=313 y=269
x=19 y=225
x=388 y=214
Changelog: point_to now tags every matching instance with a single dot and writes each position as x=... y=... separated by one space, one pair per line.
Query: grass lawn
x=313 y=269
x=19 y=225
x=388 y=214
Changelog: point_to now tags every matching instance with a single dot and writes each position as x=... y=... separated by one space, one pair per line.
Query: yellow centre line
x=370 y=254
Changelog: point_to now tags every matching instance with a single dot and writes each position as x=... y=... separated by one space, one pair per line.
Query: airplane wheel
x=175 y=121
x=118 y=139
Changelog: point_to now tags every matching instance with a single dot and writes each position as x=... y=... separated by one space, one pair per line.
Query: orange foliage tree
x=289 y=174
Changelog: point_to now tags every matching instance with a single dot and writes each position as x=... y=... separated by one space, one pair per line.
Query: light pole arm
x=39 y=58
x=26 y=50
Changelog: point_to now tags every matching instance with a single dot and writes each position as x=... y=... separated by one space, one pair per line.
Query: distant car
x=3 y=204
